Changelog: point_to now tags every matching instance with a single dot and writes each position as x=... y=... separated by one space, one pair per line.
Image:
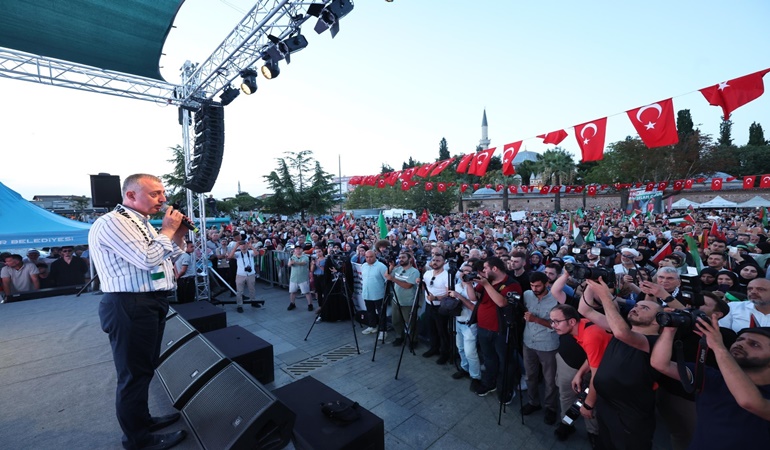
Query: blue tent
x=25 y=225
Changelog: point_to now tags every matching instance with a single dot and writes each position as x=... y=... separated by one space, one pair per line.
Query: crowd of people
x=62 y=267
x=587 y=315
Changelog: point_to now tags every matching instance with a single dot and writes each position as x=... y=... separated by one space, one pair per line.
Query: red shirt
x=594 y=340
x=486 y=315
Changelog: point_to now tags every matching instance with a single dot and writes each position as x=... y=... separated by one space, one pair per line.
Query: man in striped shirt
x=134 y=266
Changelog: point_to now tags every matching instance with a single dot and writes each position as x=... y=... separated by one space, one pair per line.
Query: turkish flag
x=463 y=187
x=354 y=180
x=476 y=186
x=441 y=166
x=554 y=137
x=655 y=123
x=424 y=216
x=579 y=189
x=524 y=188
x=662 y=185
x=441 y=187
x=592 y=190
x=716 y=184
x=545 y=189
x=407 y=174
x=481 y=162
x=748 y=182
x=488 y=186
x=700 y=180
x=425 y=169
x=590 y=138
x=381 y=183
x=513 y=189
x=499 y=187
x=733 y=94
x=638 y=185
x=678 y=185
x=729 y=179
x=765 y=182
x=650 y=187
x=688 y=183
x=568 y=189
x=429 y=186
x=555 y=188
x=509 y=154
x=405 y=185
x=462 y=166
x=392 y=177
x=371 y=180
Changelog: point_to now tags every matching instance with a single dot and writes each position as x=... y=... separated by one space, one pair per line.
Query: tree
x=526 y=169
x=174 y=181
x=557 y=167
x=756 y=135
x=725 y=131
x=322 y=190
x=293 y=190
x=443 y=150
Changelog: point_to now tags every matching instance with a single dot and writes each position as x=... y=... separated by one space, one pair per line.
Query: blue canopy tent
x=25 y=225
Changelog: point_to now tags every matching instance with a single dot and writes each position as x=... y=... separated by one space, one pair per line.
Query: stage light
x=249 y=83
x=270 y=70
x=228 y=95
x=282 y=49
x=329 y=15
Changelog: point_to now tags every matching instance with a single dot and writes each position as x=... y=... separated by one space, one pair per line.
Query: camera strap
x=696 y=383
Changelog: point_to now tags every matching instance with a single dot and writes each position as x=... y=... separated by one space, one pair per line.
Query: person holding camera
x=299 y=278
x=405 y=280
x=541 y=343
x=243 y=254
x=465 y=340
x=436 y=287
x=733 y=405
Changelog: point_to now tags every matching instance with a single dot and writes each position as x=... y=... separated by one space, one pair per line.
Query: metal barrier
x=273 y=267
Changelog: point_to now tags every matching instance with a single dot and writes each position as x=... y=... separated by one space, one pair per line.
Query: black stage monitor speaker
x=171 y=313
x=177 y=332
x=184 y=371
x=250 y=351
x=203 y=316
x=105 y=190
x=314 y=430
x=234 y=411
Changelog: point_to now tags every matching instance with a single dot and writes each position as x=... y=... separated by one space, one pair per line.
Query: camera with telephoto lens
x=337 y=260
x=681 y=318
x=573 y=413
x=582 y=272
x=470 y=276
x=421 y=260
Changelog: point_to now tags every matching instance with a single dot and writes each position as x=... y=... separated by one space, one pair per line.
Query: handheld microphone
x=185 y=220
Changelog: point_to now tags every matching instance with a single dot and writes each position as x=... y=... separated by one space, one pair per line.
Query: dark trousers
x=373 y=309
x=621 y=430
x=185 y=290
x=493 y=349
x=135 y=324
x=438 y=327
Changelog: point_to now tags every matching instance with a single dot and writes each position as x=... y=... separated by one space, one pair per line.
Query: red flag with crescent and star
x=733 y=94
x=554 y=137
x=545 y=189
x=407 y=174
x=441 y=187
x=405 y=185
x=688 y=183
x=476 y=186
x=429 y=186
x=764 y=183
x=524 y=188
x=425 y=169
x=463 y=187
x=678 y=185
x=655 y=123
x=590 y=138
x=650 y=186
x=748 y=182
x=592 y=190
x=465 y=161
x=513 y=189
x=481 y=162
x=716 y=184
x=441 y=166
x=662 y=185
x=509 y=154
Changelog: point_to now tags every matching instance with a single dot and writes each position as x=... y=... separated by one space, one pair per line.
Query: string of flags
x=655 y=123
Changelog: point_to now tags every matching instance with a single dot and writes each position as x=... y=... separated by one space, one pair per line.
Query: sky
x=397 y=79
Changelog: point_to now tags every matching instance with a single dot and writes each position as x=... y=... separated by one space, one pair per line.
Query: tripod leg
x=409 y=327
x=86 y=286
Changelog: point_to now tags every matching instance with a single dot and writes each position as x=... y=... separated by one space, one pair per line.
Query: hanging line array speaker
x=206 y=157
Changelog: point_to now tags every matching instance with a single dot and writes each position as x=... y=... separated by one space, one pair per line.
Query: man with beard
x=405 y=280
x=733 y=406
x=752 y=313
x=436 y=287
x=625 y=381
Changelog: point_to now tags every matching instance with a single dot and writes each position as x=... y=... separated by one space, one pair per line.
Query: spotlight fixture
x=329 y=15
x=249 y=83
x=282 y=49
x=228 y=95
x=270 y=70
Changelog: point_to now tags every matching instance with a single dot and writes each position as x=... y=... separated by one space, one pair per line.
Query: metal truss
x=40 y=69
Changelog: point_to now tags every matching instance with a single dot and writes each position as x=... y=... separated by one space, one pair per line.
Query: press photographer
x=436 y=286
x=243 y=255
x=733 y=405
x=465 y=339
x=405 y=280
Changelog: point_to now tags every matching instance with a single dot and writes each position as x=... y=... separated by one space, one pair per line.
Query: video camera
x=515 y=308
x=337 y=260
x=470 y=276
x=387 y=257
x=582 y=272
x=421 y=259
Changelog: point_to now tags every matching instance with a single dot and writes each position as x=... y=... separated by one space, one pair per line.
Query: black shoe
x=529 y=408
x=550 y=417
x=460 y=374
x=309 y=307
x=159 y=423
x=239 y=309
x=429 y=353
x=483 y=391
x=164 y=441
x=475 y=385
x=563 y=431
x=291 y=306
x=442 y=360
x=256 y=305
x=398 y=342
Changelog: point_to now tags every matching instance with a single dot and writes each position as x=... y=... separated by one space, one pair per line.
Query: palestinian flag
x=692 y=247
x=260 y=218
x=662 y=253
x=682 y=221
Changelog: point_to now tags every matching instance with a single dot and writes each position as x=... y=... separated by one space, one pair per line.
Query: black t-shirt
x=625 y=380
x=523 y=279
x=571 y=352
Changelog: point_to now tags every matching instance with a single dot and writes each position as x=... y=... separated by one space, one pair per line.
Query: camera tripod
x=254 y=303
x=390 y=293
x=410 y=325
x=511 y=348
x=336 y=277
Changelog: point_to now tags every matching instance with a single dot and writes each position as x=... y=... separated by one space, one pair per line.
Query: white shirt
x=437 y=286
x=740 y=316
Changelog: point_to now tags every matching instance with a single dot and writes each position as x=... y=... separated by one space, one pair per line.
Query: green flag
x=692 y=246
x=260 y=218
x=590 y=237
x=579 y=213
x=764 y=217
x=307 y=239
x=383 y=226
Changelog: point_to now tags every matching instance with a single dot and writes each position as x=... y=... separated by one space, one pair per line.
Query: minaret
x=484 y=142
x=239 y=186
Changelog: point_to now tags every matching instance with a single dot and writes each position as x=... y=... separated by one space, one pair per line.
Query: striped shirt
x=126 y=251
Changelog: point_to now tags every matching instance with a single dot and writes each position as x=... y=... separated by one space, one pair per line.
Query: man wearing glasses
x=470 y=366
x=436 y=287
x=68 y=270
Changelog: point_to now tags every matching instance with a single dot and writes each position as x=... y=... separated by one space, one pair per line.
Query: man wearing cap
x=733 y=405
x=754 y=312
x=33 y=256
